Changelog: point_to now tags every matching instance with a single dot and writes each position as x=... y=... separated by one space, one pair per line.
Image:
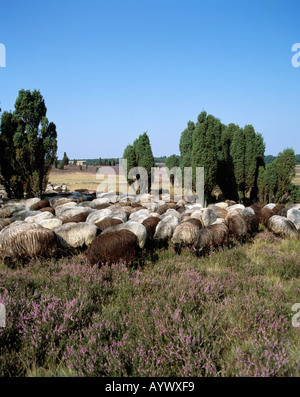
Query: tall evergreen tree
x=225 y=175
x=237 y=152
x=144 y=155
x=186 y=145
x=204 y=151
x=250 y=158
x=32 y=144
x=285 y=169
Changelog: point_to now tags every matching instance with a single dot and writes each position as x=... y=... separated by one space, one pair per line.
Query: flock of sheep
x=113 y=228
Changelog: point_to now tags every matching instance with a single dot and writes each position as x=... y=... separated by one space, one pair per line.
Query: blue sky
x=111 y=69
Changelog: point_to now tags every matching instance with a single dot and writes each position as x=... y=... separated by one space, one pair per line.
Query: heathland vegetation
x=229 y=313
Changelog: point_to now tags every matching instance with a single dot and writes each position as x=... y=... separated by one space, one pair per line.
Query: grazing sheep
x=23 y=214
x=112 y=247
x=185 y=234
x=282 y=226
x=81 y=217
x=252 y=222
x=39 y=217
x=76 y=235
x=98 y=215
x=247 y=211
x=208 y=216
x=221 y=212
x=277 y=208
x=21 y=240
x=48 y=209
x=264 y=215
x=50 y=223
x=67 y=212
x=257 y=206
x=107 y=222
x=139 y=215
x=293 y=215
x=210 y=237
x=164 y=207
x=165 y=229
x=135 y=227
x=235 y=207
x=237 y=226
x=150 y=224
x=58 y=201
x=7 y=210
x=30 y=202
x=5 y=222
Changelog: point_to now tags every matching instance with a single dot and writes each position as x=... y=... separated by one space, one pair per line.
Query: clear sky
x=111 y=69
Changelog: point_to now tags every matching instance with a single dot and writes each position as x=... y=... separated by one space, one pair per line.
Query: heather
x=225 y=315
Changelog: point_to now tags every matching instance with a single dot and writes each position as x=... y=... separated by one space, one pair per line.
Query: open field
x=86 y=179
x=225 y=315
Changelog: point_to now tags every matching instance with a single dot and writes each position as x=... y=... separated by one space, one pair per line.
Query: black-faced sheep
x=211 y=237
x=112 y=247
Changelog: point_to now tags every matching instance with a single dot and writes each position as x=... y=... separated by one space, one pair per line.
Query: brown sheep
x=278 y=208
x=48 y=209
x=252 y=222
x=210 y=237
x=107 y=222
x=150 y=225
x=264 y=215
x=221 y=212
x=164 y=207
x=39 y=205
x=237 y=226
x=102 y=206
x=257 y=206
x=112 y=247
x=81 y=217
